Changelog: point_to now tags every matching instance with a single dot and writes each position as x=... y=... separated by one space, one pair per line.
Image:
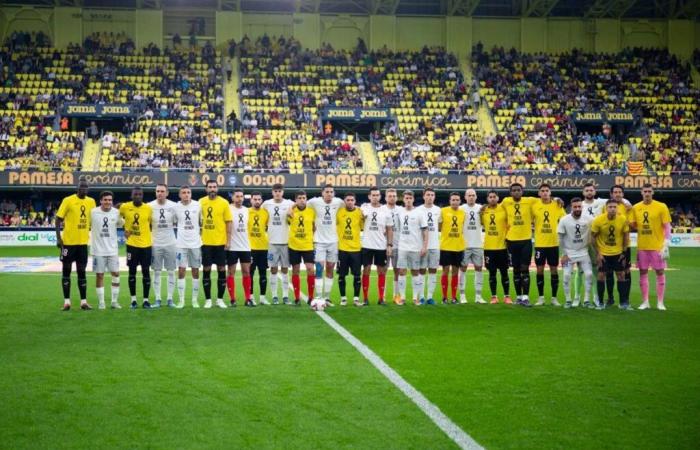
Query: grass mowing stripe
x=451 y=429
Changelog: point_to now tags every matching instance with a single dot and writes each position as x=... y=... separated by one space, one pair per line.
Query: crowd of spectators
x=177 y=94
x=534 y=96
x=27 y=213
x=686 y=215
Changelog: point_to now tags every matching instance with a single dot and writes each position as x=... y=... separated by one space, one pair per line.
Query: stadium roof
x=657 y=9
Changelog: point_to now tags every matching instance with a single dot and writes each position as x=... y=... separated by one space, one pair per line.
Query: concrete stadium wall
x=551 y=35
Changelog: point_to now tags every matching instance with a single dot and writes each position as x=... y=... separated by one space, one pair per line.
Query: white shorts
x=431 y=260
x=584 y=263
x=278 y=255
x=394 y=258
x=102 y=264
x=164 y=257
x=408 y=260
x=189 y=257
x=474 y=256
x=327 y=252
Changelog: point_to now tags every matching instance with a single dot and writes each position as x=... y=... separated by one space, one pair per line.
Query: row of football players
x=334 y=232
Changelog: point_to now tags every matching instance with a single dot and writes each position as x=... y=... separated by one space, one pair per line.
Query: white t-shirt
x=593 y=209
x=188 y=226
x=239 y=237
x=395 y=211
x=163 y=223
x=472 y=226
x=103 y=232
x=376 y=221
x=278 y=229
x=325 y=219
x=574 y=235
x=432 y=217
x=413 y=223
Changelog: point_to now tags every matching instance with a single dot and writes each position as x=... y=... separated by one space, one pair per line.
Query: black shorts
x=259 y=259
x=520 y=252
x=614 y=263
x=549 y=255
x=450 y=258
x=233 y=257
x=296 y=256
x=77 y=254
x=213 y=254
x=138 y=256
x=371 y=256
x=349 y=262
x=496 y=259
x=628 y=258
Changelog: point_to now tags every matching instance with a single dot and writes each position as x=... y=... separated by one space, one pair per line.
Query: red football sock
x=246 y=287
x=365 y=286
x=296 y=284
x=381 y=283
x=455 y=285
x=231 y=285
x=310 y=281
x=443 y=285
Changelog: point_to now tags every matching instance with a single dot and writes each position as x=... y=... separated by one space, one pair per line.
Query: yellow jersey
x=495 y=221
x=519 y=217
x=215 y=214
x=137 y=221
x=75 y=213
x=349 y=225
x=650 y=220
x=451 y=234
x=258 y=220
x=301 y=229
x=610 y=234
x=622 y=210
x=547 y=217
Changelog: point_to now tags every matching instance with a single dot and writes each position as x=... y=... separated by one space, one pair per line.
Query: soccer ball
x=318 y=304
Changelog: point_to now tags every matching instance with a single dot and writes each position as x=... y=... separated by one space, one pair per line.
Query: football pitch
x=280 y=377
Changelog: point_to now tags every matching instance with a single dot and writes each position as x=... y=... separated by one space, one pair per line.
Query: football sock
x=660 y=287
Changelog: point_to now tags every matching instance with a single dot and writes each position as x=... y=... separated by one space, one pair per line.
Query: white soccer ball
x=318 y=305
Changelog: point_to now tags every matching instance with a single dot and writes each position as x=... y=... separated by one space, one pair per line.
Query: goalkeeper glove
x=664 y=250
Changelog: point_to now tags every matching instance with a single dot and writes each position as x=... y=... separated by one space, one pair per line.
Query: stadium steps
x=485 y=120
x=91 y=155
x=695 y=75
x=232 y=101
x=465 y=65
x=370 y=162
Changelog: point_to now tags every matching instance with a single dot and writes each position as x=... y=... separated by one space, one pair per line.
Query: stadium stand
x=282 y=89
x=178 y=95
x=37 y=213
x=533 y=96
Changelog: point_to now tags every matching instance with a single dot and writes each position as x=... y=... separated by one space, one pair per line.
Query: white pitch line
x=451 y=429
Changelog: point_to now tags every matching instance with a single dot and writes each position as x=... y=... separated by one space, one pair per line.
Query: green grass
x=279 y=377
